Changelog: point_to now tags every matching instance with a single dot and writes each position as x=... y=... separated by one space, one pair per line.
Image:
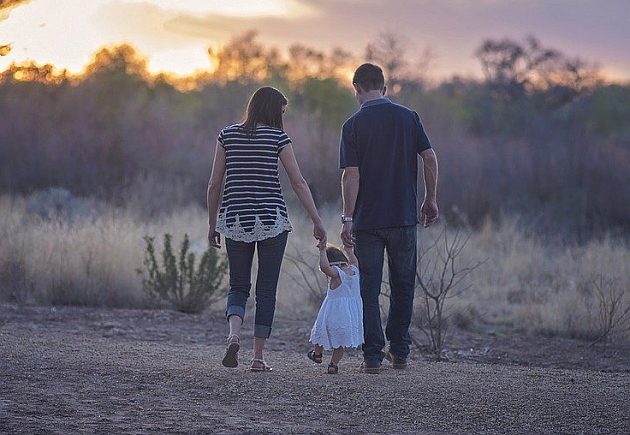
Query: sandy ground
x=68 y=370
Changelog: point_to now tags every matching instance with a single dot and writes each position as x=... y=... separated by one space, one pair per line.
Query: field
x=69 y=370
x=88 y=254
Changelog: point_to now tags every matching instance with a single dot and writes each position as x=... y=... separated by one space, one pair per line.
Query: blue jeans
x=400 y=244
x=240 y=257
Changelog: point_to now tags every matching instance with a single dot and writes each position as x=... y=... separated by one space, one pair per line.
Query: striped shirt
x=253 y=206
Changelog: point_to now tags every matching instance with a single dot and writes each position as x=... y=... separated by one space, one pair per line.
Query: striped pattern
x=253 y=206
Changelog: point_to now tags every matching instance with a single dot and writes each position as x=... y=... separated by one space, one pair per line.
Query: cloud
x=143 y=24
x=453 y=29
x=7 y=5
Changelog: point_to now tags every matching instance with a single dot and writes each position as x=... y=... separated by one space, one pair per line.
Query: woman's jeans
x=240 y=257
x=370 y=246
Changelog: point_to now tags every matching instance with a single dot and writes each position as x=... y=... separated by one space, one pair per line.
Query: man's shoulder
x=350 y=121
x=404 y=110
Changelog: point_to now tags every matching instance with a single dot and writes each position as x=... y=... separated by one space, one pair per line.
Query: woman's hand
x=319 y=233
x=214 y=237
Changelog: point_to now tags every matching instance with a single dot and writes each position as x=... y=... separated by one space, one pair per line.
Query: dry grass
x=88 y=260
x=526 y=285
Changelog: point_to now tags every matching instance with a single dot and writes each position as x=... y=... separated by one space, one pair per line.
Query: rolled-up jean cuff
x=235 y=310
x=262 y=331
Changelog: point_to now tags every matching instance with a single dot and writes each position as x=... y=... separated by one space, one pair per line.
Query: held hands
x=429 y=212
x=214 y=237
x=319 y=233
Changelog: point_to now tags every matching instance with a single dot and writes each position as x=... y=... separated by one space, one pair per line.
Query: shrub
x=177 y=281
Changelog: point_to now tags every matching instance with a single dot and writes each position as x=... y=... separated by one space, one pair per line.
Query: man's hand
x=346 y=235
x=214 y=237
x=430 y=212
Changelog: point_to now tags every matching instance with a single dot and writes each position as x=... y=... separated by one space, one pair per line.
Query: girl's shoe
x=259 y=365
x=333 y=369
x=316 y=358
x=230 y=359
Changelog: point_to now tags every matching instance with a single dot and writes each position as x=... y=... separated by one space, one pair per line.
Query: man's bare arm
x=429 y=209
x=349 y=193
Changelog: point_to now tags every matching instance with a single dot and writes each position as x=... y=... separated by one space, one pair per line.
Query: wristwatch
x=345 y=219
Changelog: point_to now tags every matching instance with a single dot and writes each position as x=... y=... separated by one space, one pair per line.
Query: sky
x=176 y=34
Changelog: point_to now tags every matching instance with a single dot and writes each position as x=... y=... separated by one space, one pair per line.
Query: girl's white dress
x=340 y=319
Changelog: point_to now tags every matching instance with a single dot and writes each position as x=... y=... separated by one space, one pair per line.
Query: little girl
x=339 y=322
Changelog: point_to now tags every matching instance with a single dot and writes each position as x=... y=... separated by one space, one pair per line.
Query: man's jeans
x=240 y=257
x=400 y=244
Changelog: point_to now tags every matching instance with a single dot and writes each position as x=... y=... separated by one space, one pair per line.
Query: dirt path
x=82 y=371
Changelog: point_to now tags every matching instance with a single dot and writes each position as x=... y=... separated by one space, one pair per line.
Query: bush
x=177 y=282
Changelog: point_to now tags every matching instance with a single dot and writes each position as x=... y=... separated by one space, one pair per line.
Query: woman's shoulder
x=266 y=129
x=231 y=128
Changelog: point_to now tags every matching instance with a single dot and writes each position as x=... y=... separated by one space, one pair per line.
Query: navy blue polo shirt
x=383 y=140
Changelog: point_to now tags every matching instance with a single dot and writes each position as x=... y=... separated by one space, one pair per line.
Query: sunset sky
x=175 y=34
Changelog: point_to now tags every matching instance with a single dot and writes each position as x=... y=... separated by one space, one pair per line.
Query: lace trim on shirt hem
x=259 y=232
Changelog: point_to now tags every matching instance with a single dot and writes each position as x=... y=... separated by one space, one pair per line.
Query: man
x=379 y=152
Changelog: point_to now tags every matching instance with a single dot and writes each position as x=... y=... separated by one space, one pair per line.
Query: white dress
x=340 y=319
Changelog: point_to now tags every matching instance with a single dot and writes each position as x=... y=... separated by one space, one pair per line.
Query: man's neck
x=372 y=95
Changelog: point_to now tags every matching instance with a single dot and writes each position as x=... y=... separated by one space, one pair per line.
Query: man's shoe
x=371 y=367
x=398 y=363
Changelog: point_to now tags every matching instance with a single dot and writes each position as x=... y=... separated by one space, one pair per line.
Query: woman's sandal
x=264 y=367
x=333 y=369
x=230 y=359
x=316 y=358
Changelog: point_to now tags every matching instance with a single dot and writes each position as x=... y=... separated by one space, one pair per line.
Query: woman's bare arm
x=214 y=192
x=303 y=192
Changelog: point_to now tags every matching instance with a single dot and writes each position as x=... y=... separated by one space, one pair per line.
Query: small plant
x=306 y=275
x=613 y=315
x=177 y=281
x=439 y=277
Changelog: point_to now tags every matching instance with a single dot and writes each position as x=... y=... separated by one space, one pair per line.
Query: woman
x=253 y=214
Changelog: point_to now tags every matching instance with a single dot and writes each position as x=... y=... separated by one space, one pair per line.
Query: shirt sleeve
x=348 y=152
x=283 y=140
x=220 y=138
x=422 y=140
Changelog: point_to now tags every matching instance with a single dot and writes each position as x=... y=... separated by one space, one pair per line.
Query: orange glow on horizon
x=174 y=35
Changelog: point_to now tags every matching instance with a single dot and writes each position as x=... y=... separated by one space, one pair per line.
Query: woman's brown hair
x=264 y=107
x=335 y=255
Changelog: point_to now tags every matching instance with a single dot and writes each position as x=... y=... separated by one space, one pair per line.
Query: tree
x=245 y=60
x=515 y=69
x=389 y=51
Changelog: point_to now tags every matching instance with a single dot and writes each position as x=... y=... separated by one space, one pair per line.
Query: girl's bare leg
x=336 y=355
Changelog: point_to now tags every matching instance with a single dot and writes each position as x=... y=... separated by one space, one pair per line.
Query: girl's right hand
x=321 y=245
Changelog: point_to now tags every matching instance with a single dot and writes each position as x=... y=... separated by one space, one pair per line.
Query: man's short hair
x=370 y=77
